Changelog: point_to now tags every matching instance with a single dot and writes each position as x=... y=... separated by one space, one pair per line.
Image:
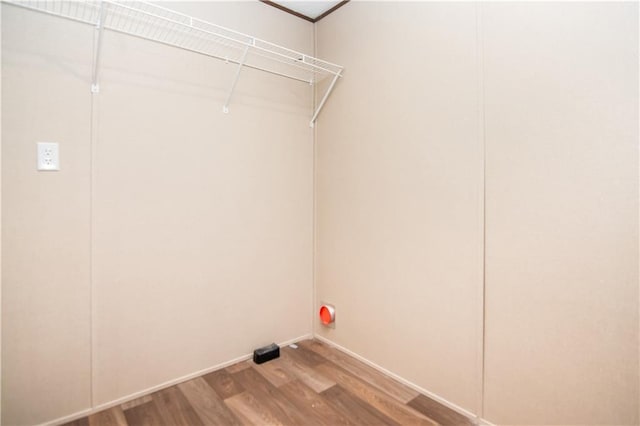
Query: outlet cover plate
x=48 y=156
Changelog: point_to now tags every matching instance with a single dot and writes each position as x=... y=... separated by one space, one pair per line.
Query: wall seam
x=92 y=150
x=483 y=212
x=91 y=298
x=314 y=220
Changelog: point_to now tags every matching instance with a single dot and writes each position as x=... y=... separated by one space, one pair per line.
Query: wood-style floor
x=314 y=384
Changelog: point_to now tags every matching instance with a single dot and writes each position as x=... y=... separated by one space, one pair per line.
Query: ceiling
x=310 y=9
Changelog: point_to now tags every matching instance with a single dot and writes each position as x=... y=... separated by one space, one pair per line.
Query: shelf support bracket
x=324 y=99
x=225 y=108
x=97 y=47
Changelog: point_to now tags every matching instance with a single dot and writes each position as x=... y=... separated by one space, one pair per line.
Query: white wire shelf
x=159 y=24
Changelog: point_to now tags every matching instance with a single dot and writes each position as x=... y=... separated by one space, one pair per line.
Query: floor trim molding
x=405 y=381
x=107 y=405
x=135 y=395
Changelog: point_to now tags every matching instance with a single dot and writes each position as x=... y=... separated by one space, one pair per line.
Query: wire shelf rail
x=159 y=24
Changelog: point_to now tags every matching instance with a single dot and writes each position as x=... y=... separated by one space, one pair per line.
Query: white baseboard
x=406 y=382
x=90 y=411
x=98 y=408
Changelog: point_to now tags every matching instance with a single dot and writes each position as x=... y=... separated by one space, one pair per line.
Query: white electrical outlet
x=48 y=156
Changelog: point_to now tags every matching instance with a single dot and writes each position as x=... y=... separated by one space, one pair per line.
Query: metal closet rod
x=251 y=42
x=211 y=55
x=162 y=25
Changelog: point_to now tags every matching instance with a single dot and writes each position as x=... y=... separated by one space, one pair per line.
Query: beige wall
x=45 y=219
x=192 y=228
x=561 y=85
x=398 y=167
x=399 y=216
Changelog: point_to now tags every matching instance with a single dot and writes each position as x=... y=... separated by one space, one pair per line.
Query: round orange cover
x=325 y=315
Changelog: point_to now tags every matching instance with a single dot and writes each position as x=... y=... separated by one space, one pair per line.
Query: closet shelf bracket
x=312 y=123
x=225 y=108
x=97 y=47
x=151 y=21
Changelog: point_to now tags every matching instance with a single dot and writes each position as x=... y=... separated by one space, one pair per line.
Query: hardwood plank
x=206 y=403
x=270 y=396
x=222 y=382
x=111 y=417
x=79 y=422
x=378 y=399
x=174 y=408
x=305 y=355
x=275 y=371
x=359 y=369
x=312 y=405
x=239 y=366
x=314 y=384
x=247 y=408
x=305 y=373
x=354 y=409
x=135 y=402
x=145 y=414
x=438 y=412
